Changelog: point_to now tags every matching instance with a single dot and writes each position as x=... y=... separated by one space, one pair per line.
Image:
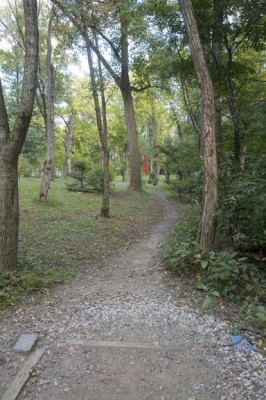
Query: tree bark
x=126 y=91
x=67 y=143
x=9 y=213
x=49 y=120
x=100 y=112
x=11 y=142
x=105 y=210
x=207 y=226
x=153 y=134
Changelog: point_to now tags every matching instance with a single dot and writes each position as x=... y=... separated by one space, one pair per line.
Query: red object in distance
x=145 y=167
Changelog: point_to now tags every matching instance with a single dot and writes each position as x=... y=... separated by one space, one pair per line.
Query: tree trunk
x=126 y=91
x=134 y=161
x=11 y=142
x=9 y=217
x=153 y=134
x=67 y=144
x=216 y=47
x=105 y=210
x=207 y=226
x=100 y=113
x=49 y=121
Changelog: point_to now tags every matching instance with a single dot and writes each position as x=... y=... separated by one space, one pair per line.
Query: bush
x=242 y=215
x=224 y=272
x=95 y=176
x=153 y=179
x=188 y=188
x=79 y=170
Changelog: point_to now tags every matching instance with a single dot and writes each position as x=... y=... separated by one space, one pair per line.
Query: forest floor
x=129 y=331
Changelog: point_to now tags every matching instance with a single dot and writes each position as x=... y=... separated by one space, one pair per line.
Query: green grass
x=66 y=235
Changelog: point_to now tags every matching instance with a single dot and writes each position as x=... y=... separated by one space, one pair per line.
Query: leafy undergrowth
x=66 y=235
x=226 y=277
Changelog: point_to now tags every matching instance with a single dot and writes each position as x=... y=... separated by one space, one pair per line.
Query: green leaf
x=204 y=264
x=201 y=286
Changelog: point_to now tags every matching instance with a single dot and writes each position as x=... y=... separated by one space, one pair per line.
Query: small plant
x=223 y=272
x=95 y=177
x=153 y=179
x=80 y=168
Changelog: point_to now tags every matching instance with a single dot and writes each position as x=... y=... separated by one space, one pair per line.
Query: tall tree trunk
x=126 y=91
x=49 y=120
x=11 y=142
x=153 y=134
x=134 y=160
x=208 y=220
x=100 y=113
x=67 y=143
x=105 y=210
x=216 y=50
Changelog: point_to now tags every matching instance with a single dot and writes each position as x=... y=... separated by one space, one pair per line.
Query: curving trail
x=121 y=334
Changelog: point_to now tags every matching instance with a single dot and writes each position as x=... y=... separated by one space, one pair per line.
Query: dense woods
x=147 y=91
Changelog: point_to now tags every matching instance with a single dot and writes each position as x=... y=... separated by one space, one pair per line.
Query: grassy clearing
x=66 y=235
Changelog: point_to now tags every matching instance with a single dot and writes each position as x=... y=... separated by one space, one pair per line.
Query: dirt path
x=124 y=334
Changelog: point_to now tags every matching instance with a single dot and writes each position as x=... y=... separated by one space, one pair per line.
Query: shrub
x=79 y=170
x=95 y=176
x=242 y=215
x=153 y=179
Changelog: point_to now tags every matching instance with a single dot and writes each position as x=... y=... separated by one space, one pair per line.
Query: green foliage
x=90 y=177
x=79 y=170
x=188 y=188
x=218 y=273
x=224 y=272
x=243 y=209
x=181 y=160
x=253 y=312
x=153 y=179
x=94 y=178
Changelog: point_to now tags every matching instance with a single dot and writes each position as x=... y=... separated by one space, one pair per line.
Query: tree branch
x=83 y=28
x=12 y=35
x=30 y=75
x=4 y=125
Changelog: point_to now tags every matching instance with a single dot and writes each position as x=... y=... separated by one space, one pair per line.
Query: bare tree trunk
x=216 y=47
x=126 y=91
x=153 y=134
x=100 y=113
x=105 y=146
x=207 y=226
x=11 y=142
x=9 y=213
x=67 y=143
x=49 y=120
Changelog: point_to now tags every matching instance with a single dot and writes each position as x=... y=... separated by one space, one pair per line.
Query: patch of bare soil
x=124 y=332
